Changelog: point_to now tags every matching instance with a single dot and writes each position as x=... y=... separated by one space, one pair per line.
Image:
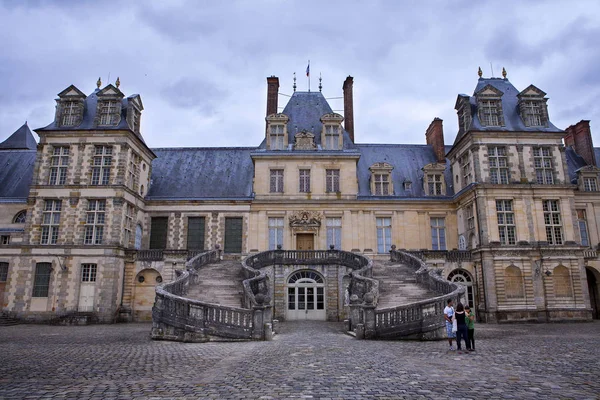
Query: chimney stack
x=435 y=138
x=579 y=136
x=348 y=107
x=272 y=94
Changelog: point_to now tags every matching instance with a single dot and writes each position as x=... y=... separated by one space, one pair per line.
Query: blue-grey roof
x=407 y=160
x=21 y=139
x=16 y=173
x=202 y=173
x=510 y=108
x=575 y=162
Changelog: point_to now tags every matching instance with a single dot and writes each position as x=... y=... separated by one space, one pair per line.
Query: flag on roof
x=308 y=70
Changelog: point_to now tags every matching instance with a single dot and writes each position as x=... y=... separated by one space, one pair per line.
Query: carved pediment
x=279 y=118
x=136 y=100
x=588 y=169
x=332 y=117
x=381 y=166
x=70 y=93
x=306 y=219
x=110 y=91
x=532 y=91
x=489 y=91
x=434 y=167
x=304 y=141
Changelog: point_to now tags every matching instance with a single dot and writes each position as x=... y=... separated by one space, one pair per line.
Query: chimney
x=579 y=136
x=272 y=94
x=435 y=137
x=348 y=107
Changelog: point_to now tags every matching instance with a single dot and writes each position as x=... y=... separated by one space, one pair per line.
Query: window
x=50 y=221
x=434 y=184
x=3 y=272
x=158 y=232
x=465 y=167
x=464 y=278
x=94 y=222
x=109 y=112
x=128 y=228
x=195 y=235
x=70 y=113
x=407 y=185
x=498 y=163
x=276 y=185
x=544 y=173
x=275 y=233
x=469 y=216
x=304 y=181
x=506 y=222
x=513 y=283
x=41 y=282
x=332 y=180
x=334 y=233
x=590 y=184
x=5 y=239
x=531 y=111
x=58 y=166
x=562 y=282
x=101 y=165
x=384 y=234
x=277 y=137
x=489 y=112
x=20 y=217
x=438 y=234
x=332 y=137
x=381 y=179
x=88 y=272
x=552 y=221
x=382 y=184
x=583 y=231
x=134 y=172
x=138 y=237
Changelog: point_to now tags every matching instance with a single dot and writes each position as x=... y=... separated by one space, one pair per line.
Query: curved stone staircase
x=398 y=285
x=219 y=283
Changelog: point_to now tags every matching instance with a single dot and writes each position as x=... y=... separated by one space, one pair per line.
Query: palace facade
x=92 y=219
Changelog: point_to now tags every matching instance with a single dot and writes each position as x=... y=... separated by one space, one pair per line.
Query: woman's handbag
x=454 y=324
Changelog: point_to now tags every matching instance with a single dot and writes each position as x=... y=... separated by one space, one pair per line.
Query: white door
x=306 y=296
x=87 y=287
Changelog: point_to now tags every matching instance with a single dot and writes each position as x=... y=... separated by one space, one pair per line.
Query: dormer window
x=69 y=108
x=381 y=179
x=532 y=107
x=70 y=115
x=407 y=185
x=532 y=113
x=587 y=178
x=277 y=135
x=434 y=183
x=331 y=135
x=134 y=112
x=109 y=112
x=463 y=110
x=489 y=106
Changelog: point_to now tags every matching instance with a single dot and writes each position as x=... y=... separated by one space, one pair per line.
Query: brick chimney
x=349 y=107
x=435 y=137
x=272 y=94
x=579 y=136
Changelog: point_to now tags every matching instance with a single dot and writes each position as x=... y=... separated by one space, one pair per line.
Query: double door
x=306 y=301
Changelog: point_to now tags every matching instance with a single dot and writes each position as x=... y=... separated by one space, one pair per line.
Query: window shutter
x=233 y=235
x=195 y=237
x=158 y=232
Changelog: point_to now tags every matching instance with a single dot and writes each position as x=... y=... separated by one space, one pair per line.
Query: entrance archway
x=306 y=296
x=144 y=293
x=464 y=278
x=593 y=279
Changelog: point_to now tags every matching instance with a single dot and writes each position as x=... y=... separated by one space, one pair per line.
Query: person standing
x=448 y=314
x=461 y=331
x=470 y=327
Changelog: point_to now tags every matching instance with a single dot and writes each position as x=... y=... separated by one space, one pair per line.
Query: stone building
x=91 y=218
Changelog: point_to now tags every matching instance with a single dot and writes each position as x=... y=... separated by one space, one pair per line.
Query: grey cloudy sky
x=200 y=66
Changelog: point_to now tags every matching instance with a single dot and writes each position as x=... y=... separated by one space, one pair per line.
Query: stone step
x=219 y=283
x=398 y=285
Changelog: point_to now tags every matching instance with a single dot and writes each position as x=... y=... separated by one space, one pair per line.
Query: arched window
x=20 y=217
x=138 y=237
x=562 y=282
x=464 y=278
x=513 y=283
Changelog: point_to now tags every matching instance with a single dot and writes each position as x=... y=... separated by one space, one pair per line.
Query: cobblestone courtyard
x=309 y=360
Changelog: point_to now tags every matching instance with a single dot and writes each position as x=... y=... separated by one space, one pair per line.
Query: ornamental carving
x=306 y=219
x=304 y=141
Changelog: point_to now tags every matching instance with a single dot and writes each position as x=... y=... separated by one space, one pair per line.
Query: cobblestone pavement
x=308 y=360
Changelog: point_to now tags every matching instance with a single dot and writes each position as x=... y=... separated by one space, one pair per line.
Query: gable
x=71 y=91
x=532 y=91
x=489 y=91
x=110 y=90
x=136 y=99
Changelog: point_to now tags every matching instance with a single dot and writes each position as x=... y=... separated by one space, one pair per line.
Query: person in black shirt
x=461 y=323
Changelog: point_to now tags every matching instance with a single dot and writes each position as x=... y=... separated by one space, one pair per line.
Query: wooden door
x=305 y=241
x=233 y=235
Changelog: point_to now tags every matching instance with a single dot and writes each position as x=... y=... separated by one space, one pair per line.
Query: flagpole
x=308 y=73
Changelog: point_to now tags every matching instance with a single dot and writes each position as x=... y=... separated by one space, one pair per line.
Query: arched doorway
x=144 y=293
x=593 y=279
x=306 y=296
x=464 y=278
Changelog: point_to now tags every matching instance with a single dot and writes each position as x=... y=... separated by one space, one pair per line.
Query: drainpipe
x=485 y=300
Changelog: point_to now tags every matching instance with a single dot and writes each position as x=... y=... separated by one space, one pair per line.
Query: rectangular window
x=583 y=231
x=70 y=113
x=304 y=181
x=277 y=137
x=506 y=222
x=489 y=113
x=334 y=233
x=158 y=232
x=88 y=272
x=276 y=184
x=465 y=166
x=590 y=184
x=332 y=180
x=532 y=111
x=50 y=221
x=58 y=165
x=275 y=233
x=134 y=172
x=498 y=162
x=5 y=239
x=542 y=160
x=3 y=272
x=128 y=228
x=438 y=233
x=382 y=184
x=101 y=165
x=384 y=234
x=195 y=237
x=434 y=183
x=553 y=222
x=470 y=217
x=109 y=113
x=41 y=281
x=332 y=137
x=233 y=235
x=94 y=222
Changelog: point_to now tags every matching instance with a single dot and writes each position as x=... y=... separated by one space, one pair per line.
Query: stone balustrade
x=446 y=255
x=160 y=254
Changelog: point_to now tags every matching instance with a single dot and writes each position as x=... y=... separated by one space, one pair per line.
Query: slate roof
x=16 y=173
x=202 y=173
x=407 y=160
x=21 y=139
x=510 y=108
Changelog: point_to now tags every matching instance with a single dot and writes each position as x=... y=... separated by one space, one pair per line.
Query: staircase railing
x=422 y=319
